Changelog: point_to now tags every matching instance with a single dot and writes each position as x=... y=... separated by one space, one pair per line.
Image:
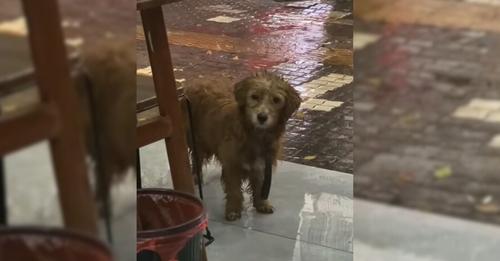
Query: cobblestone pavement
x=84 y=22
x=427 y=107
x=308 y=42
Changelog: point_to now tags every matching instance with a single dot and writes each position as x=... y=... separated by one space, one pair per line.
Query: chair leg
x=138 y=169
x=54 y=83
x=164 y=81
x=108 y=216
x=3 y=195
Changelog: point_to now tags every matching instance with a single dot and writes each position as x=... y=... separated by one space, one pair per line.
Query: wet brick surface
x=301 y=43
x=410 y=148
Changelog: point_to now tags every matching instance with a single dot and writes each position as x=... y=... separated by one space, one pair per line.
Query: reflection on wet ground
x=427 y=106
x=303 y=41
x=313 y=218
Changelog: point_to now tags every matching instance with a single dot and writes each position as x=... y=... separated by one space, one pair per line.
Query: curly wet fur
x=224 y=128
x=106 y=82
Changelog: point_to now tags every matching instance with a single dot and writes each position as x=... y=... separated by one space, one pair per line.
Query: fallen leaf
x=409 y=119
x=180 y=80
x=300 y=115
x=310 y=157
x=236 y=58
x=209 y=52
x=488 y=208
x=443 y=172
x=339 y=57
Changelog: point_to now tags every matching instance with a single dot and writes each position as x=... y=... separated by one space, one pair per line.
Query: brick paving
x=308 y=42
x=458 y=14
x=426 y=110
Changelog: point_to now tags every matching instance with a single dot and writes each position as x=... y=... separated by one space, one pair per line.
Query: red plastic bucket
x=167 y=220
x=38 y=244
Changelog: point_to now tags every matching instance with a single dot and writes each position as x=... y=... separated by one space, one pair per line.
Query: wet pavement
x=308 y=42
x=32 y=198
x=427 y=104
x=313 y=218
x=385 y=232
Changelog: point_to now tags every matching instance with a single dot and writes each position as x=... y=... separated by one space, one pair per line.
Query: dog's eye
x=255 y=97
x=276 y=100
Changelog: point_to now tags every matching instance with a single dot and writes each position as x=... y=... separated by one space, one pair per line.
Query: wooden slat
x=165 y=87
x=153 y=130
x=22 y=80
x=145 y=4
x=36 y=123
x=152 y=102
x=16 y=82
x=52 y=75
x=3 y=195
x=146 y=104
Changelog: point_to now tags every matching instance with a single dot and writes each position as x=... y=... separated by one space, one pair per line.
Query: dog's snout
x=262 y=117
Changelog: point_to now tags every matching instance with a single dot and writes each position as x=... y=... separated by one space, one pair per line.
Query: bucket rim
x=50 y=232
x=171 y=231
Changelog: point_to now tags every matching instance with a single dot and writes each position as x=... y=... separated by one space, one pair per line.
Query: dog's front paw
x=233 y=215
x=265 y=208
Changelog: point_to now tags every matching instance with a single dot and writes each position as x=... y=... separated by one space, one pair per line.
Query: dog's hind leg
x=232 y=182
x=256 y=181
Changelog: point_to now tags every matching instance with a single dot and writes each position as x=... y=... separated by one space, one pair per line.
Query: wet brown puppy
x=240 y=126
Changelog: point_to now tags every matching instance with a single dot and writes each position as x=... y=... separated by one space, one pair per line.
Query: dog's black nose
x=262 y=117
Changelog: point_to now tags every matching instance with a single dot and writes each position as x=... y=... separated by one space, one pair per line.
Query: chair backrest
x=56 y=117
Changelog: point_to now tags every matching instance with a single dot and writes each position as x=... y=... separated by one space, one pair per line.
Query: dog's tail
x=108 y=70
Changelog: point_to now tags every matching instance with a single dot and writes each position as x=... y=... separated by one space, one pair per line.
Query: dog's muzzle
x=262 y=118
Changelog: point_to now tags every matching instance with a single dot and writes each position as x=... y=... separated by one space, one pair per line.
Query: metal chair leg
x=138 y=169
x=3 y=195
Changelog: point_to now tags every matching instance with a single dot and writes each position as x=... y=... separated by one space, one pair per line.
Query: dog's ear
x=240 y=91
x=293 y=101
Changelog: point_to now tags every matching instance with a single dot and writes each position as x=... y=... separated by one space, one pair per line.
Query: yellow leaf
x=310 y=157
x=488 y=208
x=443 y=172
x=299 y=115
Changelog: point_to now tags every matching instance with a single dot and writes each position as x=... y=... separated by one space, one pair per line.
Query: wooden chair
x=54 y=118
x=168 y=125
